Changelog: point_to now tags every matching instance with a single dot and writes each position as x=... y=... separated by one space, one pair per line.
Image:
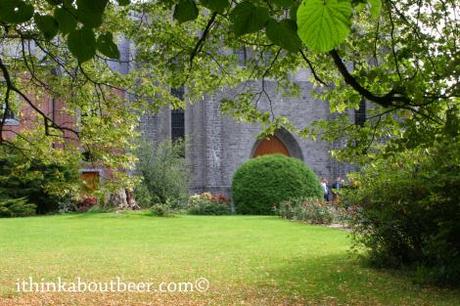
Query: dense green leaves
x=185 y=10
x=323 y=24
x=82 y=44
x=15 y=11
x=218 y=6
x=248 y=18
x=284 y=34
x=106 y=46
x=263 y=182
x=66 y=21
x=47 y=25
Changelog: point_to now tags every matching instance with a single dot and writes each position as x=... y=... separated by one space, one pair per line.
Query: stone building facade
x=217 y=144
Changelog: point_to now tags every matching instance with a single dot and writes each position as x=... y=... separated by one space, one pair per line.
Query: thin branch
x=12 y=87
x=315 y=75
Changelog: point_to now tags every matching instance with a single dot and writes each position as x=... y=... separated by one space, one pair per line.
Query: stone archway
x=280 y=143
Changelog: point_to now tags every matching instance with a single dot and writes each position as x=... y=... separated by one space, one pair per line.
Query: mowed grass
x=249 y=260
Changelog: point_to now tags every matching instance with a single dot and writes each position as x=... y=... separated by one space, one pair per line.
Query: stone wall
x=218 y=145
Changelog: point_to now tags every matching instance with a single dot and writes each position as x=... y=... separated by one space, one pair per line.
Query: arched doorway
x=280 y=143
x=271 y=145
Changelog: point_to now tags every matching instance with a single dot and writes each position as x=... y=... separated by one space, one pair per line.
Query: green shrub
x=407 y=211
x=46 y=181
x=164 y=174
x=161 y=210
x=143 y=196
x=208 y=204
x=16 y=208
x=313 y=211
x=261 y=183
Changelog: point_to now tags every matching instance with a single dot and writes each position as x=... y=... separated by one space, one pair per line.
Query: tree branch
x=388 y=100
x=200 y=42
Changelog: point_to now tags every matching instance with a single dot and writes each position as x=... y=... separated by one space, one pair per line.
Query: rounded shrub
x=262 y=183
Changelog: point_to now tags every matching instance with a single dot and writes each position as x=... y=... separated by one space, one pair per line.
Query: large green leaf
x=90 y=12
x=47 y=25
x=323 y=24
x=248 y=18
x=82 y=44
x=185 y=10
x=15 y=11
x=218 y=6
x=66 y=21
x=106 y=46
x=284 y=34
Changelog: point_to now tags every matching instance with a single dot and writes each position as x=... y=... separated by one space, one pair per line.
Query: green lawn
x=253 y=260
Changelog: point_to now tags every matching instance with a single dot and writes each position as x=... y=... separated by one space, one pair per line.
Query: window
x=360 y=114
x=177 y=124
x=177 y=117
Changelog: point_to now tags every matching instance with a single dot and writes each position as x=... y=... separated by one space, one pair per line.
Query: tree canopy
x=402 y=56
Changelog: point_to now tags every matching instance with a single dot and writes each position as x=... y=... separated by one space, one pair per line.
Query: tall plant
x=163 y=172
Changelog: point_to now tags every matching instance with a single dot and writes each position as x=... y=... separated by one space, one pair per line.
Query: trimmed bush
x=262 y=183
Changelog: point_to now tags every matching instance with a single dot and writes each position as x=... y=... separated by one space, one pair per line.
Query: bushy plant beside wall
x=163 y=173
x=262 y=183
x=407 y=211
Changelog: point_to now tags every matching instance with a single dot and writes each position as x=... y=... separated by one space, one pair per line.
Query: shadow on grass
x=344 y=279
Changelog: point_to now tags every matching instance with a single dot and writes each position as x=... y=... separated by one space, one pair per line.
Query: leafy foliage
x=185 y=10
x=208 y=204
x=162 y=210
x=262 y=183
x=323 y=24
x=39 y=180
x=283 y=34
x=248 y=18
x=313 y=211
x=163 y=173
x=82 y=43
x=18 y=207
x=407 y=210
x=218 y=6
x=15 y=11
x=86 y=203
x=64 y=17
